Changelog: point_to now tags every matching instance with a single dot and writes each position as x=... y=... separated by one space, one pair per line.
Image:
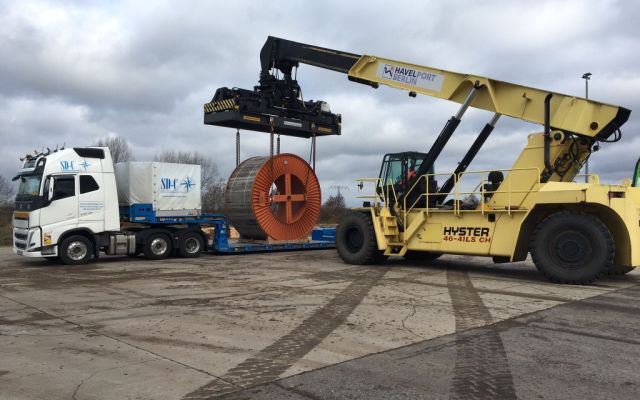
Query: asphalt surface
x=567 y=352
x=303 y=325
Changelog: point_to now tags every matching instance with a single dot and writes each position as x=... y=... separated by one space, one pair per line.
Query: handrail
x=389 y=190
x=384 y=193
x=508 y=190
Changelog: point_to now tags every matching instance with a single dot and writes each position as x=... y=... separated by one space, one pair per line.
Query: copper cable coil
x=275 y=197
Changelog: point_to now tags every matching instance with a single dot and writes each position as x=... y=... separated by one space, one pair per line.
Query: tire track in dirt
x=481 y=368
x=275 y=359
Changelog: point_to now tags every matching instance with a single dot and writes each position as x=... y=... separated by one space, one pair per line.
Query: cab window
x=63 y=187
x=392 y=172
x=88 y=184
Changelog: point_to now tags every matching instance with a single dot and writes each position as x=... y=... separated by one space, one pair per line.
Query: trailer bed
x=239 y=246
x=220 y=241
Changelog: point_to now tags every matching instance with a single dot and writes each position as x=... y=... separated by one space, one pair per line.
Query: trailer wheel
x=191 y=245
x=618 y=270
x=413 y=255
x=75 y=250
x=572 y=248
x=356 y=240
x=157 y=246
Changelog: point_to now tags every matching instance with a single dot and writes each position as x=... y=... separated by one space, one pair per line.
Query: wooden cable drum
x=276 y=198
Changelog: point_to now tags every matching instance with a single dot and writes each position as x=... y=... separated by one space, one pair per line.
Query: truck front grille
x=21 y=245
x=20 y=236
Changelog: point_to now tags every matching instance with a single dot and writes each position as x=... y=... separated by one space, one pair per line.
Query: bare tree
x=333 y=209
x=118 y=147
x=213 y=197
x=212 y=185
x=6 y=193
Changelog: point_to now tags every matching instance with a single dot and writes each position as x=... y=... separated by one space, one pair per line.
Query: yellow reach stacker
x=576 y=232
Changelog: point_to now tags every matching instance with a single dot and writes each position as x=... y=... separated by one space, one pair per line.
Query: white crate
x=167 y=186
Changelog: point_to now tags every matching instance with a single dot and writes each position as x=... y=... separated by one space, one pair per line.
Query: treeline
x=333 y=210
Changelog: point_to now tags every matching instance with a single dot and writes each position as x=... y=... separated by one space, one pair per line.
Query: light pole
x=586 y=76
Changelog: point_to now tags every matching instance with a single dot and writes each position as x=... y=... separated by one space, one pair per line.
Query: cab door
x=61 y=214
x=91 y=202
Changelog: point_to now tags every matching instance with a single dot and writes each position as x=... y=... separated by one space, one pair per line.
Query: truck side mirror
x=49 y=186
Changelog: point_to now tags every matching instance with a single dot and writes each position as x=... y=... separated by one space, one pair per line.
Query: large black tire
x=618 y=270
x=574 y=248
x=157 y=246
x=75 y=250
x=356 y=240
x=191 y=245
x=413 y=255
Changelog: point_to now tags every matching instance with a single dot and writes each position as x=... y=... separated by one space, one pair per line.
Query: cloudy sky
x=76 y=71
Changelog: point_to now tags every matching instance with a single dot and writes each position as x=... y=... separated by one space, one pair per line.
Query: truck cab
x=65 y=193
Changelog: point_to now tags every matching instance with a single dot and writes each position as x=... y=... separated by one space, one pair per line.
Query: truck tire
x=618 y=270
x=157 y=246
x=356 y=240
x=574 y=248
x=75 y=250
x=414 y=255
x=191 y=245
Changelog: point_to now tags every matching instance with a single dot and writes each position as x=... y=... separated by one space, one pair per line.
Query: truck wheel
x=356 y=240
x=414 y=255
x=572 y=248
x=618 y=270
x=157 y=246
x=75 y=250
x=191 y=245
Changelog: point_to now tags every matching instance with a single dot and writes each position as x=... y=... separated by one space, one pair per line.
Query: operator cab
x=397 y=173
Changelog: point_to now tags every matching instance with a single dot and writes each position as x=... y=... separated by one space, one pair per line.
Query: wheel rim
x=354 y=239
x=77 y=250
x=159 y=246
x=192 y=245
x=572 y=248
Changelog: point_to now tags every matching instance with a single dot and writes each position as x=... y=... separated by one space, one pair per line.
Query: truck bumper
x=27 y=242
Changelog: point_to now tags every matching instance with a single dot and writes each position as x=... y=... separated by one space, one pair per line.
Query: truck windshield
x=29 y=187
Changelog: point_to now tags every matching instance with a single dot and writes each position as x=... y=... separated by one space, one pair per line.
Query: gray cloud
x=75 y=72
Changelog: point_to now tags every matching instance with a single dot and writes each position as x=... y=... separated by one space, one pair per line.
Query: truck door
x=91 y=202
x=62 y=212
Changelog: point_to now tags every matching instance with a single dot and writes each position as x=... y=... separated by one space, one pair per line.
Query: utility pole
x=586 y=76
x=338 y=188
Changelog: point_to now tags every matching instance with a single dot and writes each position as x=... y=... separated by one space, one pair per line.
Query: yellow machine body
x=575 y=232
x=503 y=221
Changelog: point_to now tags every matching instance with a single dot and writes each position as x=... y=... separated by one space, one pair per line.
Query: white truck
x=70 y=204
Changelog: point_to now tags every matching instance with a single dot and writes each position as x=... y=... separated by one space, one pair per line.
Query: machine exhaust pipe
x=547 y=139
